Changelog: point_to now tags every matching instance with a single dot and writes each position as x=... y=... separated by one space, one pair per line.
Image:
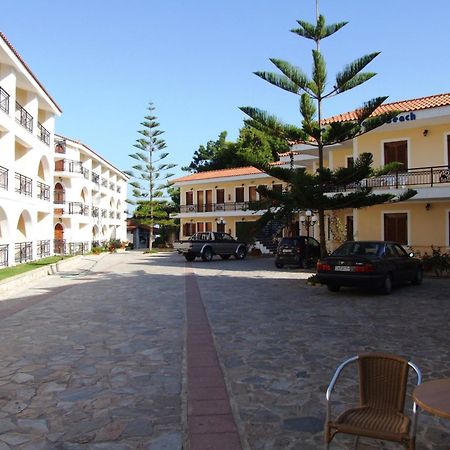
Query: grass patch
x=9 y=272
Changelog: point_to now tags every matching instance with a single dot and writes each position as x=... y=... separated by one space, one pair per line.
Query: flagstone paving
x=104 y=358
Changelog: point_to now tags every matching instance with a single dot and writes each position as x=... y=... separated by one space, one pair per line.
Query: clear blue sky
x=103 y=61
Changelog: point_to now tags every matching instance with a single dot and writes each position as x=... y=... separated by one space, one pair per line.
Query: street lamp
x=308 y=221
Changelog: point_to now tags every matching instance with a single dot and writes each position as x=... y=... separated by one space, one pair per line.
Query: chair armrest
x=333 y=382
x=415 y=411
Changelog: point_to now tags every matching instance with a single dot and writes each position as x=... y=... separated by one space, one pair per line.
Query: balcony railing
x=43 y=249
x=95 y=177
x=23 y=252
x=103 y=213
x=111 y=214
x=213 y=207
x=67 y=165
x=43 y=134
x=78 y=248
x=4 y=101
x=59 y=196
x=419 y=176
x=95 y=211
x=3 y=178
x=104 y=182
x=119 y=189
x=118 y=215
x=78 y=208
x=24 y=117
x=112 y=186
x=43 y=191
x=4 y=255
x=24 y=185
x=59 y=246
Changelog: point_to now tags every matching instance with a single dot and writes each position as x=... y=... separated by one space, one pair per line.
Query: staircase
x=265 y=239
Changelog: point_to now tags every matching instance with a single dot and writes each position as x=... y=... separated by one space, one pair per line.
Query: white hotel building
x=56 y=195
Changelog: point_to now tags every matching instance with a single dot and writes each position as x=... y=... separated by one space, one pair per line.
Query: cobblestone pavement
x=93 y=359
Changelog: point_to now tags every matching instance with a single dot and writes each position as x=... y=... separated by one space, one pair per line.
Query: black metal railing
x=419 y=176
x=24 y=117
x=214 y=207
x=3 y=178
x=23 y=252
x=103 y=213
x=111 y=214
x=24 y=185
x=43 y=249
x=119 y=189
x=59 y=246
x=95 y=211
x=43 y=191
x=4 y=100
x=112 y=186
x=95 y=177
x=59 y=196
x=43 y=134
x=118 y=215
x=104 y=182
x=78 y=248
x=68 y=165
x=4 y=255
x=78 y=208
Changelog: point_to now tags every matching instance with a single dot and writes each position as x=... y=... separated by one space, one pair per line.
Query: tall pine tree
x=150 y=175
x=308 y=191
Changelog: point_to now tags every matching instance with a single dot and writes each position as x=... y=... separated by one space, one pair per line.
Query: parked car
x=369 y=264
x=301 y=251
x=207 y=244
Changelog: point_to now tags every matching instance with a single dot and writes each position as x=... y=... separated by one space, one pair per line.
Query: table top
x=434 y=396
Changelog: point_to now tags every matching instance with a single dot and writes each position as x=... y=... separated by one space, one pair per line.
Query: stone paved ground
x=93 y=359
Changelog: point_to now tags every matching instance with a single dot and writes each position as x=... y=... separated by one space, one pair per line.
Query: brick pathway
x=211 y=425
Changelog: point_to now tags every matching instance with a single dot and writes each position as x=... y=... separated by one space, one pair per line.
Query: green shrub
x=437 y=262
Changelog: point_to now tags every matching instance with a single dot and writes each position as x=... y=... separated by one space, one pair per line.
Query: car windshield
x=358 y=249
x=288 y=242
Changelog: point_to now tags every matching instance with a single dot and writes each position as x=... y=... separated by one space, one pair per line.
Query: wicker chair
x=383 y=380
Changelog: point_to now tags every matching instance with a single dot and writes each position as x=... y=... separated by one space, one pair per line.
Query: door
x=200 y=200
x=59 y=244
x=209 y=200
x=396 y=227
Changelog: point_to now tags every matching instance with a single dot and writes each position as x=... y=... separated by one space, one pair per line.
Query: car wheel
x=418 y=277
x=189 y=257
x=241 y=252
x=207 y=254
x=279 y=265
x=225 y=256
x=386 y=288
x=333 y=287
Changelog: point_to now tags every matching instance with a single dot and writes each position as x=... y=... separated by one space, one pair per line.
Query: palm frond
x=352 y=69
x=278 y=80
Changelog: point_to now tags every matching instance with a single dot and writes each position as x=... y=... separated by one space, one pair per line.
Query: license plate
x=286 y=250
x=343 y=268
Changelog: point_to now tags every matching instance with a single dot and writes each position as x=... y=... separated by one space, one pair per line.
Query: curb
x=52 y=269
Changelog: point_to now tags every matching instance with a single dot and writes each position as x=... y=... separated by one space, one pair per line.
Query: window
x=189 y=198
x=188 y=229
x=252 y=194
x=448 y=150
x=208 y=226
x=221 y=227
x=239 y=194
x=396 y=152
x=396 y=227
x=200 y=227
x=350 y=162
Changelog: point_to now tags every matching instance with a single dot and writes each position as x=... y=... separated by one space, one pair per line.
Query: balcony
x=104 y=182
x=67 y=165
x=4 y=255
x=4 y=101
x=3 y=178
x=95 y=177
x=103 y=213
x=24 y=117
x=43 y=191
x=213 y=207
x=95 y=211
x=43 y=134
x=23 y=252
x=24 y=185
x=413 y=177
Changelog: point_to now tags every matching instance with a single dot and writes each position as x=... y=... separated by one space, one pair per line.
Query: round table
x=434 y=396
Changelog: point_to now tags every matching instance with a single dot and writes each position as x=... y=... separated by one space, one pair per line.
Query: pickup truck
x=208 y=244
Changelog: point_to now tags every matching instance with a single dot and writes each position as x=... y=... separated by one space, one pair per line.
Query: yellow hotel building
x=419 y=137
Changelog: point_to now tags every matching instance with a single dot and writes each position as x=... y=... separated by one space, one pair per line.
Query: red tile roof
x=16 y=53
x=433 y=101
x=222 y=173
